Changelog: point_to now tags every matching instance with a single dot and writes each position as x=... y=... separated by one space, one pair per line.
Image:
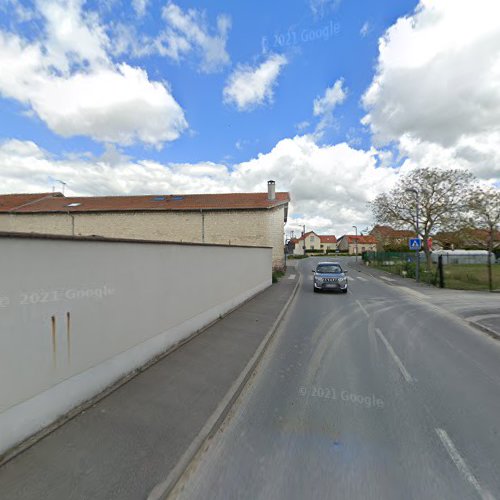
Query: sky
x=332 y=99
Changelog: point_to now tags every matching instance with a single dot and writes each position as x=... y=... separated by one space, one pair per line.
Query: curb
x=492 y=333
x=163 y=489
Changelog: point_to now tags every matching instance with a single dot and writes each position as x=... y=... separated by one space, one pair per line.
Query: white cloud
x=324 y=106
x=320 y=8
x=365 y=29
x=438 y=83
x=68 y=79
x=330 y=185
x=104 y=105
x=334 y=95
x=188 y=31
x=140 y=6
x=19 y=12
x=249 y=86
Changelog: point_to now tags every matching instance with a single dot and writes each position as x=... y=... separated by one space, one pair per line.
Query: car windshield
x=333 y=268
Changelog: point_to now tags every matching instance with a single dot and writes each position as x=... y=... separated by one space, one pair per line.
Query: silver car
x=329 y=276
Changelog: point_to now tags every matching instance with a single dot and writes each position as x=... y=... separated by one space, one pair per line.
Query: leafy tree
x=484 y=203
x=442 y=194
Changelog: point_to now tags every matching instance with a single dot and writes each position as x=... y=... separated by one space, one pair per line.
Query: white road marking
x=292 y=276
x=386 y=278
x=362 y=308
x=401 y=367
x=361 y=278
x=460 y=463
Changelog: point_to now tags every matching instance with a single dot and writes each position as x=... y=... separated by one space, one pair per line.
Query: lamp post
x=356 y=242
x=417 y=268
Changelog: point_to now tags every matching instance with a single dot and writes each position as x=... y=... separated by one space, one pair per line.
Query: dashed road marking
x=362 y=308
x=386 y=278
x=361 y=278
x=460 y=463
x=292 y=276
x=395 y=357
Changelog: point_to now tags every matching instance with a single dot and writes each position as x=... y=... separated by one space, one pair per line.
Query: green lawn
x=456 y=276
x=470 y=276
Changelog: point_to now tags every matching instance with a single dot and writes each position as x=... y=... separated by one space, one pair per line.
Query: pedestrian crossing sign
x=415 y=243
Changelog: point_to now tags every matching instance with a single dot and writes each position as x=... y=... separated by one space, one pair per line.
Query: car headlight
x=318 y=279
x=342 y=279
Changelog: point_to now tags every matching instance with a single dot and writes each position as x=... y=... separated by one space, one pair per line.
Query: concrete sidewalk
x=130 y=441
x=480 y=309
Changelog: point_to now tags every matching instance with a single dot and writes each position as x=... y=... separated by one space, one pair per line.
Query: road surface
x=374 y=394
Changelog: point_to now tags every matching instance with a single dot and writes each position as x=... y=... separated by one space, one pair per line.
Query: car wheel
x=344 y=291
x=315 y=289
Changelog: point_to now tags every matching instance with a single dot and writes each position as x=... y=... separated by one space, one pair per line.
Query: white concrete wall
x=127 y=302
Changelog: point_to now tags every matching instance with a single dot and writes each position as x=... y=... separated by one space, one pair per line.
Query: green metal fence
x=462 y=276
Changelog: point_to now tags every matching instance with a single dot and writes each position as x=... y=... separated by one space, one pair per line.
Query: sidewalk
x=480 y=309
x=130 y=441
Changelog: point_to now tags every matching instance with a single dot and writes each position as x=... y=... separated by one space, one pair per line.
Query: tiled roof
x=188 y=202
x=305 y=235
x=361 y=239
x=11 y=201
x=328 y=238
x=389 y=232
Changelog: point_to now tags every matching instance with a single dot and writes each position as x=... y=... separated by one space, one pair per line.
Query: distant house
x=357 y=244
x=389 y=238
x=253 y=219
x=313 y=241
x=468 y=239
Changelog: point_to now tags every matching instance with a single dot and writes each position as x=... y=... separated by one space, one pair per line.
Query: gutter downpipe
x=202 y=225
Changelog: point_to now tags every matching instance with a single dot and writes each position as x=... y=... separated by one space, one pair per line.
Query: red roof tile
x=11 y=201
x=389 y=232
x=367 y=240
x=230 y=201
x=328 y=238
x=305 y=235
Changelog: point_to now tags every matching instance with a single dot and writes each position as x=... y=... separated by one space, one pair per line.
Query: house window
x=311 y=239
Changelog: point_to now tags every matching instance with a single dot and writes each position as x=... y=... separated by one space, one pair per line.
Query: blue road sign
x=415 y=243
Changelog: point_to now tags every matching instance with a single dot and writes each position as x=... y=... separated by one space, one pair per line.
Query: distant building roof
x=328 y=238
x=351 y=238
x=324 y=238
x=10 y=202
x=47 y=203
x=305 y=235
x=389 y=232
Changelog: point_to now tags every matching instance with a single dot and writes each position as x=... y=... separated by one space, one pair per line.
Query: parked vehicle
x=329 y=276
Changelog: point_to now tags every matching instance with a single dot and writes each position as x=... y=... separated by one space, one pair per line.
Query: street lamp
x=356 y=242
x=417 y=269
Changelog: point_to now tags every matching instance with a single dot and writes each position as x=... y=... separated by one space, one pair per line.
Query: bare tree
x=443 y=196
x=484 y=203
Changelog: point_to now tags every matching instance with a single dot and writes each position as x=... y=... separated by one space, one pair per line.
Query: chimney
x=271 y=190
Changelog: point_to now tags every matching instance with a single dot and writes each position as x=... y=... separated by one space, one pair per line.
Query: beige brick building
x=254 y=219
x=357 y=244
x=312 y=241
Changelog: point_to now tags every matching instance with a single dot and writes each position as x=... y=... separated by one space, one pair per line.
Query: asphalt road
x=370 y=394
